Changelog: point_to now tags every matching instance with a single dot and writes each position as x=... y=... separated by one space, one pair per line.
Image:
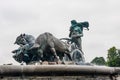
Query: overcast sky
x=38 y=16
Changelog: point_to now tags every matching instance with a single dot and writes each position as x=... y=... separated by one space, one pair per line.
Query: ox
x=47 y=42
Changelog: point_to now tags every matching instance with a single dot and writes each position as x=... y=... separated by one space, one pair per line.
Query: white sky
x=38 y=16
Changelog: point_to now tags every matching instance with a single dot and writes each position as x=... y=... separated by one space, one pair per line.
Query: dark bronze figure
x=76 y=32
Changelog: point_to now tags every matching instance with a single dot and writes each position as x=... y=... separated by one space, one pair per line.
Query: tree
x=113 y=57
x=98 y=61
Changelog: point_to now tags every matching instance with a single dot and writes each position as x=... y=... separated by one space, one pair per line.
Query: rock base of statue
x=58 y=72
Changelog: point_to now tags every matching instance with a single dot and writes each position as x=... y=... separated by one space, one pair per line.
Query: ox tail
x=68 y=39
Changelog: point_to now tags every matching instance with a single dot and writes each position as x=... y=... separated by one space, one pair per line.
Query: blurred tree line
x=113 y=58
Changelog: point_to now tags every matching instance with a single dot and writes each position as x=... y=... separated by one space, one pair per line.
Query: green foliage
x=113 y=57
x=98 y=61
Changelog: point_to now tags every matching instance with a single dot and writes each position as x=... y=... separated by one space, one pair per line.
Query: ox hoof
x=57 y=59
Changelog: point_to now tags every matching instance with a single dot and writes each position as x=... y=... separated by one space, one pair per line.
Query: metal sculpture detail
x=47 y=47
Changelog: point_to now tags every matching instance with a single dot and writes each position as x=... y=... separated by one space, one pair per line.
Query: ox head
x=20 y=40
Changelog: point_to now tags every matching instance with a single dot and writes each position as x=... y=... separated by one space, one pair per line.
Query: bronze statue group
x=46 y=47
